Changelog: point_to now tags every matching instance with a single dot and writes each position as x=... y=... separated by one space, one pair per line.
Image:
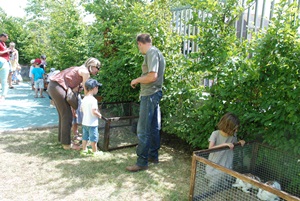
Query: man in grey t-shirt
x=151 y=82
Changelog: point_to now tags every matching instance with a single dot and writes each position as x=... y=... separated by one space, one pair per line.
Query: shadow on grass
x=73 y=176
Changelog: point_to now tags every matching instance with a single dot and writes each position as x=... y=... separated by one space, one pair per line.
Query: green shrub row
x=258 y=80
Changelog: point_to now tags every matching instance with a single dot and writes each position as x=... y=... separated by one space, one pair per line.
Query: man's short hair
x=144 y=38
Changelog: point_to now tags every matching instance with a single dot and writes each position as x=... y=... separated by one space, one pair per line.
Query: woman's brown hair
x=229 y=123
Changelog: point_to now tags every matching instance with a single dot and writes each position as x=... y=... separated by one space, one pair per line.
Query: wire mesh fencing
x=257 y=172
x=117 y=128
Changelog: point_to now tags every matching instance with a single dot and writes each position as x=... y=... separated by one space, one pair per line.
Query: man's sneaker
x=136 y=168
x=152 y=160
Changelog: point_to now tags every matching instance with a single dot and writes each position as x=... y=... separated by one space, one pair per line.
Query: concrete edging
x=28 y=129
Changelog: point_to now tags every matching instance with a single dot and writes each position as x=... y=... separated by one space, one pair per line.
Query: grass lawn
x=35 y=167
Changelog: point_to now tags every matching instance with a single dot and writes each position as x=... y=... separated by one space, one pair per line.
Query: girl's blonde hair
x=229 y=123
x=12 y=44
x=92 y=62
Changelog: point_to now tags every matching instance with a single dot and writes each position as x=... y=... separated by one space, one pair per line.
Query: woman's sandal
x=76 y=142
x=78 y=134
x=76 y=147
x=76 y=137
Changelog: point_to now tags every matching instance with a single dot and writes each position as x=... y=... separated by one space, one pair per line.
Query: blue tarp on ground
x=21 y=110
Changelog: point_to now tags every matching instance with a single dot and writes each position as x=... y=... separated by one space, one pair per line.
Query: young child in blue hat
x=91 y=114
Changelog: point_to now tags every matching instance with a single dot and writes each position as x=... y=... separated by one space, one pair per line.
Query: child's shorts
x=90 y=133
x=39 y=84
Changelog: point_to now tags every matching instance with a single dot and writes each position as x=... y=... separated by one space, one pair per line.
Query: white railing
x=254 y=18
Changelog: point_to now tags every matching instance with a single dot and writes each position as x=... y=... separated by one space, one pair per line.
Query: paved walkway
x=21 y=110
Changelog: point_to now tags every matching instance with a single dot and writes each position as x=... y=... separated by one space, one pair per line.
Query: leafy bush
x=117 y=26
x=18 y=34
x=261 y=89
x=190 y=110
x=276 y=59
x=221 y=56
x=257 y=80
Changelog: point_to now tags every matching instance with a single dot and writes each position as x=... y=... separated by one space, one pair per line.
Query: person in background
x=43 y=62
x=91 y=114
x=69 y=78
x=151 y=81
x=77 y=117
x=30 y=73
x=52 y=72
x=4 y=71
x=14 y=62
x=225 y=136
x=17 y=77
x=43 y=66
x=38 y=77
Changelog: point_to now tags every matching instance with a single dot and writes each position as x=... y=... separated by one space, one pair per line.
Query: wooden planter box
x=257 y=159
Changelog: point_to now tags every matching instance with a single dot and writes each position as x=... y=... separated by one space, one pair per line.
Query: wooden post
x=193 y=177
x=106 y=135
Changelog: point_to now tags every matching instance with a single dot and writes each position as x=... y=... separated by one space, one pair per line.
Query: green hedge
x=258 y=80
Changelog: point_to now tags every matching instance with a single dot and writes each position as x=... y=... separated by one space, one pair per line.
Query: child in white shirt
x=91 y=113
x=30 y=73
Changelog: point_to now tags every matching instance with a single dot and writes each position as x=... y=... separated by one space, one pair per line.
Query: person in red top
x=4 y=70
x=4 y=51
x=72 y=78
